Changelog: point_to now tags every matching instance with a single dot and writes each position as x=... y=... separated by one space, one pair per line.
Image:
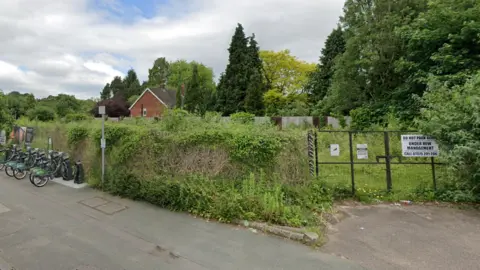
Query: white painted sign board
x=419 y=146
x=3 y=137
x=334 y=150
x=103 y=143
x=101 y=110
x=362 y=151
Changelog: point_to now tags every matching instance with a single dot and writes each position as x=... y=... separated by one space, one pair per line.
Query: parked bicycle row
x=39 y=165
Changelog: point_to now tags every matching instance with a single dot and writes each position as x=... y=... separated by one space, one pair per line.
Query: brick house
x=153 y=102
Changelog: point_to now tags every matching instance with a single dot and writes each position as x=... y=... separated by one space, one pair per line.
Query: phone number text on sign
x=419 y=146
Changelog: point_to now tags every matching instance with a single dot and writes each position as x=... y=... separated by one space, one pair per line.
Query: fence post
x=352 y=171
x=433 y=174
x=310 y=150
x=316 y=153
x=387 y=160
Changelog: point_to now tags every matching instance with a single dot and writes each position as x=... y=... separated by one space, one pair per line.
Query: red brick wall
x=151 y=103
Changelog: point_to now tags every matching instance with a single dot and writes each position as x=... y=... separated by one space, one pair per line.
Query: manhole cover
x=110 y=208
x=94 y=202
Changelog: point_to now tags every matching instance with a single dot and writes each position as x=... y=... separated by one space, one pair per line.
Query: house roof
x=166 y=96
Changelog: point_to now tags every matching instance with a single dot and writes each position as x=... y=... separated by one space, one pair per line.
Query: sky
x=76 y=46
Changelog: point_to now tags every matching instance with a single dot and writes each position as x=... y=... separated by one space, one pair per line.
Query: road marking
x=3 y=209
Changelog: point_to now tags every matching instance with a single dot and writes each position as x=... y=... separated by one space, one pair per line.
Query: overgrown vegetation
x=451 y=114
x=226 y=171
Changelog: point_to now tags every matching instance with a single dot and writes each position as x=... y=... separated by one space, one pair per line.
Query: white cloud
x=51 y=47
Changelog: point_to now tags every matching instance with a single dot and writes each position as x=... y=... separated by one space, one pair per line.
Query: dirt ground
x=407 y=237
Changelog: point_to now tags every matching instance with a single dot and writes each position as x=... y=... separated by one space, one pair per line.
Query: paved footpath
x=60 y=228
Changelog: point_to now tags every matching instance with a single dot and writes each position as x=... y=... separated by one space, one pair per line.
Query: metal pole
x=387 y=161
x=433 y=174
x=103 y=147
x=352 y=171
x=316 y=153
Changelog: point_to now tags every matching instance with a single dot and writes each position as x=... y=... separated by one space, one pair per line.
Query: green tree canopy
x=284 y=72
x=320 y=80
x=158 y=74
x=234 y=83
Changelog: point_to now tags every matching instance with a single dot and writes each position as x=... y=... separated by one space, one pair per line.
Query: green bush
x=242 y=118
x=214 y=169
x=364 y=117
x=76 y=117
x=452 y=116
x=6 y=119
x=41 y=113
x=251 y=198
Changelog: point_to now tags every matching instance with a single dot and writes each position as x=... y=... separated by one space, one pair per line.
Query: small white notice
x=334 y=150
x=362 y=151
x=101 y=110
x=419 y=146
x=103 y=143
x=3 y=137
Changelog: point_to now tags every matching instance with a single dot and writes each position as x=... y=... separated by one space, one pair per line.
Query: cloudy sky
x=76 y=46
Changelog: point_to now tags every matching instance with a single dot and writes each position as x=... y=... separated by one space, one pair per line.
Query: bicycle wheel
x=19 y=174
x=31 y=177
x=40 y=181
x=68 y=171
x=9 y=171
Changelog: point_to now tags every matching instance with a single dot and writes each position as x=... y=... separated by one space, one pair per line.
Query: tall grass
x=371 y=178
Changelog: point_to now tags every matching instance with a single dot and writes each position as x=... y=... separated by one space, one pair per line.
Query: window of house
x=144 y=111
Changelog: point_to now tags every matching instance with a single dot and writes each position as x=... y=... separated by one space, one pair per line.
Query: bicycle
x=17 y=160
x=32 y=159
x=8 y=155
x=42 y=174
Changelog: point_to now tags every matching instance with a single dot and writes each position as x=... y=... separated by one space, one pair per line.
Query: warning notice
x=419 y=146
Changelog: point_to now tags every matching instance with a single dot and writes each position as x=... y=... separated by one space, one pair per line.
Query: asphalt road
x=60 y=228
x=408 y=237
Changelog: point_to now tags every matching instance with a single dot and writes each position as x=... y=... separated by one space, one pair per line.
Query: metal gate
x=386 y=158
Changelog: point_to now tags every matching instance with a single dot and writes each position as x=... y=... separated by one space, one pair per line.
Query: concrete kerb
x=296 y=234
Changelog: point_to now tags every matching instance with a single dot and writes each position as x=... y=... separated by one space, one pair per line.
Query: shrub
x=41 y=113
x=213 y=169
x=242 y=118
x=75 y=117
x=365 y=116
x=451 y=115
x=114 y=107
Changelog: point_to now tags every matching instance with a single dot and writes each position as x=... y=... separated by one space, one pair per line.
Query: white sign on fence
x=419 y=146
x=334 y=150
x=362 y=151
x=3 y=137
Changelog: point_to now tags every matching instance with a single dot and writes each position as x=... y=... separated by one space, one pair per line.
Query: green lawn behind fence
x=371 y=178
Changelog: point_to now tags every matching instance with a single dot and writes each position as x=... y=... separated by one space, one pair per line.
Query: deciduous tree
x=284 y=72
